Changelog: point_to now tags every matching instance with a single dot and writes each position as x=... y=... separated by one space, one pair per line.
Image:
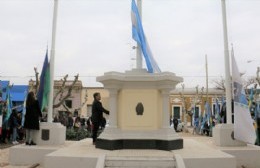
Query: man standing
x=97 y=115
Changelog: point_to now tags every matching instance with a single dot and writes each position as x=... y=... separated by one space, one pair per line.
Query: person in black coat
x=32 y=116
x=97 y=115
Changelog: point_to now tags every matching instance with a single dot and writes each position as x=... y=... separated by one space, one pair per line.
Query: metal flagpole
x=50 y=103
x=227 y=66
x=207 y=79
x=139 y=61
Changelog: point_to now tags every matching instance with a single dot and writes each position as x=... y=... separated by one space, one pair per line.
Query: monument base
x=223 y=135
x=50 y=134
x=162 y=139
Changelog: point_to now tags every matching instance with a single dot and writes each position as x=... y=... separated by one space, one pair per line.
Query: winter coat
x=97 y=111
x=33 y=113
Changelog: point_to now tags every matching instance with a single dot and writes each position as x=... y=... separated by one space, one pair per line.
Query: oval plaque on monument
x=139 y=109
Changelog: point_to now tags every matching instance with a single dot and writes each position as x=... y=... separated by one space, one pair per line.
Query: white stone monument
x=139 y=111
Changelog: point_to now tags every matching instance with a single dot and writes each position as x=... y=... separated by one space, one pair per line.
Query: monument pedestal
x=50 y=134
x=223 y=135
x=139 y=111
x=162 y=139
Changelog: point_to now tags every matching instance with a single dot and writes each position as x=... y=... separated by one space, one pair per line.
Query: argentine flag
x=139 y=36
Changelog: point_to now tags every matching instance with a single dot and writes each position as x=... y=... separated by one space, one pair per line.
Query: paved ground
x=4 y=151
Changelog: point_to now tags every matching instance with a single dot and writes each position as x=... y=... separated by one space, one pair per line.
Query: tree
x=188 y=108
x=63 y=93
x=219 y=83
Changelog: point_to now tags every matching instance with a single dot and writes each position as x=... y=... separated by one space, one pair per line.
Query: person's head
x=30 y=98
x=97 y=96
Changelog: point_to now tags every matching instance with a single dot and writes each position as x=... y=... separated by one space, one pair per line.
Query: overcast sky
x=95 y=36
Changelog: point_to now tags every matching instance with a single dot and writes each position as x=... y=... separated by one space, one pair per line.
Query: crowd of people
x=15 y=131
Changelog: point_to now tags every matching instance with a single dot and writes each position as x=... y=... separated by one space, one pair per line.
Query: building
x=190 y=95
x=104 y=98
x=74 y=102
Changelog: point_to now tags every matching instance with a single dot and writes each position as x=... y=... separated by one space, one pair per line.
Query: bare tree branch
x=219 y=84
x=66 y=107
x=68 y=93
x=61 y=88
x=85 y=101
x=36 y=79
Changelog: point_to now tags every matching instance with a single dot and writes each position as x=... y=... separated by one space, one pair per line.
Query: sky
x=95 y=36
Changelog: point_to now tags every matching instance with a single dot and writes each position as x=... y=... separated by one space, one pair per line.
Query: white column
x=139 y=60
x=50 y=103
x=227 y=65
x=165 y=109
x=113 y=108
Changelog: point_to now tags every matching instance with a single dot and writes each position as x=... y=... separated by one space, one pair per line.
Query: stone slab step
x=140 y=162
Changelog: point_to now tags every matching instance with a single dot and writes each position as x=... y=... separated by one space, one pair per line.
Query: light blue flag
x=208 y=111
x=139 y=36
x=217 y=115
x=24 y=108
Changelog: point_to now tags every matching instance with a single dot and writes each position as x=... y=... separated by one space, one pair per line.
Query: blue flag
x=9 y=104
x=139 y=36
x=40 y=93
x=251 y=97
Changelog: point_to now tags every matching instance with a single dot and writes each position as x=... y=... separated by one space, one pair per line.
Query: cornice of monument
x=139 y=78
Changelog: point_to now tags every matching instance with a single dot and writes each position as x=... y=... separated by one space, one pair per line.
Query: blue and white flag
x=217 y=111
x=243 y=122
x=139 y=36
x=9 y=104
x=209 y=113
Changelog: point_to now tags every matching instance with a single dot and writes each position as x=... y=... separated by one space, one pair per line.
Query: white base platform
x=27 y=155
x=222 y=136
x=56 y=133
x=198 y=152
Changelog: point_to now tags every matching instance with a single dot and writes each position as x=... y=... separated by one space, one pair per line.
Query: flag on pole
x=46 y=90
x=1 y=108
x=217 y=110
x=209 y=114
x=9 y=104
x=139 y=36
x=243 y=122
x=44 y=83
x=24 y=108
x=1 y=116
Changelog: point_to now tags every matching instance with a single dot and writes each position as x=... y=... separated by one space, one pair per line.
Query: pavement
x=4 y=150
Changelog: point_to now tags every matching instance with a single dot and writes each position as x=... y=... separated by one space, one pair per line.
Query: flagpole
x=207 y=79
x=139 y=61
x=227 y=65
x=50 y=103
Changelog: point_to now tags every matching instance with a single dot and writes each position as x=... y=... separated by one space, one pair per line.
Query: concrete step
x=139 y=162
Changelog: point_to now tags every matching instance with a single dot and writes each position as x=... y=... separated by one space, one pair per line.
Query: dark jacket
x=14 y=120
x=33 y=113
x=97 y=111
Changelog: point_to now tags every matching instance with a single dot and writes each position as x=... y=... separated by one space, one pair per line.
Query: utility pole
x=207 y=79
